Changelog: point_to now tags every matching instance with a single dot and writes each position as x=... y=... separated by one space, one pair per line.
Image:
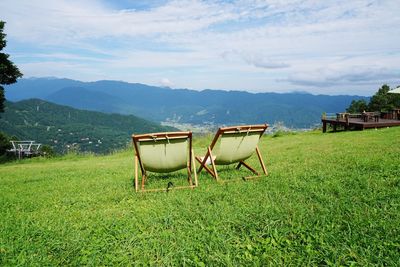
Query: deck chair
x=232 y=145
x=163 y=153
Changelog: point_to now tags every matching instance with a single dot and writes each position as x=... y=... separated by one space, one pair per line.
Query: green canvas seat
x=231 y=145
x=163 y=153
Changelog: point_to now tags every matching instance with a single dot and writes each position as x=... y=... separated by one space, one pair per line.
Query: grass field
x=330 y=199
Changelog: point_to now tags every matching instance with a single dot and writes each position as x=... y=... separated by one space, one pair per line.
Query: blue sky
x=323 y=47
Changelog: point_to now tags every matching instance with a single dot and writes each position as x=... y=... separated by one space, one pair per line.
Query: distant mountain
x=38 y=88
x=89 y=100
x=66 y=128
x=215 y=107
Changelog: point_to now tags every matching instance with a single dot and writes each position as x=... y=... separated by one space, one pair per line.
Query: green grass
x=330 y=199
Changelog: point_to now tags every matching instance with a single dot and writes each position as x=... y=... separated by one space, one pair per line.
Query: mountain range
x=65 y=128
x=159 y=104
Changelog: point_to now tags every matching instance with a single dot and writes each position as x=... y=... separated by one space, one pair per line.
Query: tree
x=357 y=106
x=9 y=73
x=4 y=146
x=382 y=101
x=4 y=143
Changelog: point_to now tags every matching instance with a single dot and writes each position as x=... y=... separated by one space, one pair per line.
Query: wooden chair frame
x=232 y=129
x=162 y=136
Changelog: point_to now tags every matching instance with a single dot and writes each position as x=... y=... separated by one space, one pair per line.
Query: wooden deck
x=356 y=123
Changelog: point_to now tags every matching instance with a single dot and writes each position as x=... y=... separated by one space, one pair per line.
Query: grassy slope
x=329 y=199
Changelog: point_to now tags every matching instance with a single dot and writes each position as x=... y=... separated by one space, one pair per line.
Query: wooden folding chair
x=235 y=145
x=163 y=153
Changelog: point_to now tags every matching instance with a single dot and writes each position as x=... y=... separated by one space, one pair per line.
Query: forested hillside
x=66 y=128
x=215 y=107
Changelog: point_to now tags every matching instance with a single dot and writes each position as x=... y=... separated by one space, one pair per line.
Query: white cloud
x=166 y=82
x=334 y=77
x=55 y=21
x=244 y=44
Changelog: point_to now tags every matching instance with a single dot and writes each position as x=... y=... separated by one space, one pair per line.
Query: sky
x=322 y=47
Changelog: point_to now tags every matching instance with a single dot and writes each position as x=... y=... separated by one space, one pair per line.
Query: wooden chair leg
x=213 y=164
x=261 y=161
x=143 y=180
x=194 y=169
x=249 y=167
x=189 y=176
x=201 y=165
x=136 y=174
x=202 y=162
x=205 y=167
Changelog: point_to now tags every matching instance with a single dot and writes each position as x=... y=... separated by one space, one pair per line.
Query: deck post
x=324 y=126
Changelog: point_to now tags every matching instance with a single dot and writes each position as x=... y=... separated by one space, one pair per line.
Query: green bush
x=47 y=151
x=4 y=146
x=4 y=143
